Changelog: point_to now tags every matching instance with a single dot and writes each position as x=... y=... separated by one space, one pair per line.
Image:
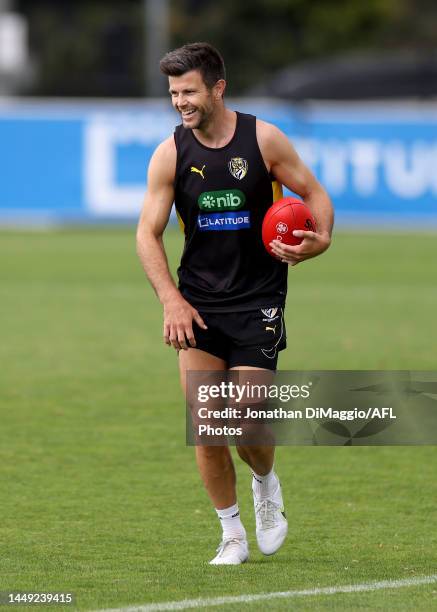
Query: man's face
x=192 y=99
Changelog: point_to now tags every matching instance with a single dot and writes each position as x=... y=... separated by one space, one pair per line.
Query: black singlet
x=221 y=197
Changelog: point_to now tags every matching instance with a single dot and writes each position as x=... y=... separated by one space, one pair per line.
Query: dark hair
x=195 y=56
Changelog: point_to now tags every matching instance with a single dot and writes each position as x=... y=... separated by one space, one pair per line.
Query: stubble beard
x=203 y=120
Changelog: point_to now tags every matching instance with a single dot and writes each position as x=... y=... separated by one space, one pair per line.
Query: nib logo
x=228 y=199
x=208 y=202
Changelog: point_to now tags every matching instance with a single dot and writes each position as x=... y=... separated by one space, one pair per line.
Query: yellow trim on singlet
x=277 y=191
x=181 y=223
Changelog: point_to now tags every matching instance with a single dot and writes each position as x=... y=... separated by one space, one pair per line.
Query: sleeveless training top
x=221 y=197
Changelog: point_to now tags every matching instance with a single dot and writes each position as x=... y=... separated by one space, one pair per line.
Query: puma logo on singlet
x=273 y=329
x=194 y=169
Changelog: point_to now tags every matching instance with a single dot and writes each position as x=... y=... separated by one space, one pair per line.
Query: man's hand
x=178 y=324
x=313 y=244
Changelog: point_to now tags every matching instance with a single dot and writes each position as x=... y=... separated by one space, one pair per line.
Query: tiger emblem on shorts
x=238 y=167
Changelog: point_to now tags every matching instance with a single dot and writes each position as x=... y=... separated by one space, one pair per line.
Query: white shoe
x=271 y=524
x=231 y=552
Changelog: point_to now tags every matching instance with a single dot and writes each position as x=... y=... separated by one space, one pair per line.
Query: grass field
x=101 y=497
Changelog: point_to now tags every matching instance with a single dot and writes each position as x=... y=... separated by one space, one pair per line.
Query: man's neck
x=220 y=129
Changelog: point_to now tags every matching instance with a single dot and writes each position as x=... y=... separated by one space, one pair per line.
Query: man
x=223 y=170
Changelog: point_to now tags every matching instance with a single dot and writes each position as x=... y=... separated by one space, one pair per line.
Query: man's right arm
x=178 y=313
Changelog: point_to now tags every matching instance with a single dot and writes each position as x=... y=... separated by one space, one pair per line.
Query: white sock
x=231 y=523
x=264 y=486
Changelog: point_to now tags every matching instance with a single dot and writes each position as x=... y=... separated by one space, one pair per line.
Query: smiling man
x=223 y=169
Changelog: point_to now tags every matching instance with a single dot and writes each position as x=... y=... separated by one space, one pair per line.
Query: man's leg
x=271 y=524
x=259 y=458
x=217 y=470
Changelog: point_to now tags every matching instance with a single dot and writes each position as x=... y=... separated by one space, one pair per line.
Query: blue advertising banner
x=76 y=161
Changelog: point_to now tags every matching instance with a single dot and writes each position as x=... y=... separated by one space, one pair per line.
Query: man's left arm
x=288 y=169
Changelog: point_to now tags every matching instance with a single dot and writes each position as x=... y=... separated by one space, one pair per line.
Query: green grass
x=101 y=497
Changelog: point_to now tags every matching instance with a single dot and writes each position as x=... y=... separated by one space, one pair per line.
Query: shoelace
x=225 y=543
x=266 y=509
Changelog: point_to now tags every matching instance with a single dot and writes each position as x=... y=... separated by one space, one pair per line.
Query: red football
x=282 y=218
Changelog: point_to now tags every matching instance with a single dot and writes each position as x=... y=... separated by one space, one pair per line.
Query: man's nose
x=180 y=99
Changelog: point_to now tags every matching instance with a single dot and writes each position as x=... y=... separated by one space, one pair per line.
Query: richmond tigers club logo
x=238 y=167
x=270 y=313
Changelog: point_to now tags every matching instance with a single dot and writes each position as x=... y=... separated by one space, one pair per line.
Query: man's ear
x=219 y=89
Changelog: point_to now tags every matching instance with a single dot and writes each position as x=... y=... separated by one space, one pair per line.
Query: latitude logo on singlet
x=226 y=199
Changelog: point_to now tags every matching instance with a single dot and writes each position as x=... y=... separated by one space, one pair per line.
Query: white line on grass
x=186 y=604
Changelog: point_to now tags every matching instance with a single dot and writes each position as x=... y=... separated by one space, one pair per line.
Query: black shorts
x=251 y=338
